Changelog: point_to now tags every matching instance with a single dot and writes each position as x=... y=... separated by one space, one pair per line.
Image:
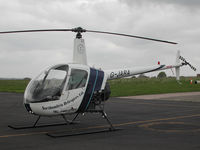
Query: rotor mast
x=79 y=53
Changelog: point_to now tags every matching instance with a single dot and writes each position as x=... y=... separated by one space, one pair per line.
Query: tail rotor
x=178 y=64
x=187 y=63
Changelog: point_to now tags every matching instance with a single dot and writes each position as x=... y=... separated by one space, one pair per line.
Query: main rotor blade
x=41 y=30
x=139 y=37
x=80 y=30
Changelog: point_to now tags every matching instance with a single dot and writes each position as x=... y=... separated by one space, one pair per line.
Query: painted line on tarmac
x=102 y=126
x=155 y=120
x=23 y=134
x=154 y=104
x=149 y=126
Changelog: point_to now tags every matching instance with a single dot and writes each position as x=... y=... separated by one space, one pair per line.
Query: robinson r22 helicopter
x=76 y=88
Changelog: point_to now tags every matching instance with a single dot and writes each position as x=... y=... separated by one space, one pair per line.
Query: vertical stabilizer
x=79 y=55
x=177 y=63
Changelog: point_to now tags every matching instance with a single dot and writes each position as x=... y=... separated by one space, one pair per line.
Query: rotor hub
x=78 y=30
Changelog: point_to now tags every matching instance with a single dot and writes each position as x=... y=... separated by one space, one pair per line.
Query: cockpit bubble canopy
x=47 y=86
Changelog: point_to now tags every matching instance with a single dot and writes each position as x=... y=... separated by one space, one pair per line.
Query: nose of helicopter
x=28 y=108
x=27 y=103
x=47 y=86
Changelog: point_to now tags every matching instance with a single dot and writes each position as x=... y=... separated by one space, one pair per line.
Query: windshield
x=47 y=86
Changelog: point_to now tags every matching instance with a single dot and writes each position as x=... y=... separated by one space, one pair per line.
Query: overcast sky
x=27 y=54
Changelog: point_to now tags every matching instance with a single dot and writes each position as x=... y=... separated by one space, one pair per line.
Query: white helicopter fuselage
x=72 y=93
x=40 y=101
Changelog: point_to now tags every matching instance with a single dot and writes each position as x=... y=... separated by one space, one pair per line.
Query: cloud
x=26 y=54
x=183 y=3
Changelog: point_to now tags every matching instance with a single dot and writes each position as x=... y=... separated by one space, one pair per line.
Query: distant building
x=198 y=75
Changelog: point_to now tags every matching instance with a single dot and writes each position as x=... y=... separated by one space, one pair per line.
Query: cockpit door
x=75 y=88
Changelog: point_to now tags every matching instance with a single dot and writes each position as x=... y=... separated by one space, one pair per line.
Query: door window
x=77 y=79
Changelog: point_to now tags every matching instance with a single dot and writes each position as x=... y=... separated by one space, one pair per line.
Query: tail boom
x=120 y=73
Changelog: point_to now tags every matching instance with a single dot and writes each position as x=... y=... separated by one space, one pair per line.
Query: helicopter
x=76 y=88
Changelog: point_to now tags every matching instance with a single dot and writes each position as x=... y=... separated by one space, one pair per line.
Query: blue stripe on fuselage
x=94 y=84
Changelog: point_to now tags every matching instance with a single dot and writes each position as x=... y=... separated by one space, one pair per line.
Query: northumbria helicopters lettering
x=76 y=88
x=62 y=104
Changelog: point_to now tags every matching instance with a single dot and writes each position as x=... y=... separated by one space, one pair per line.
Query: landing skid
x=32 y=126
x=67 y=122
x=59 y=135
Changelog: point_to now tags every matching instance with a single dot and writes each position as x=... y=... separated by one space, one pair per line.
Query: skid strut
x=83 y=131
x=105 y=116
x=44 y=125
